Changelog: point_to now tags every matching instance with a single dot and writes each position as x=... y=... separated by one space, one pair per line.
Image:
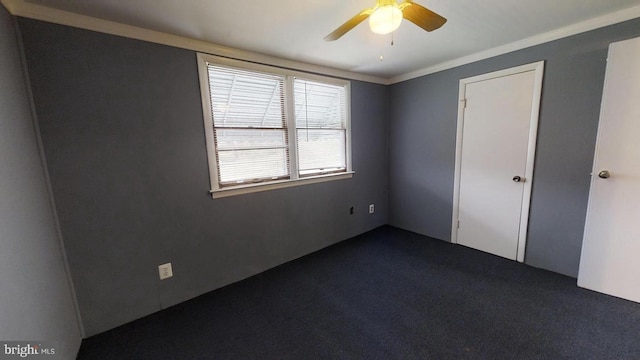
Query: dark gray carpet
x=387 y=294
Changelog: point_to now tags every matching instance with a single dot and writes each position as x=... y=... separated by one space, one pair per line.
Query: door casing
x=538 y=68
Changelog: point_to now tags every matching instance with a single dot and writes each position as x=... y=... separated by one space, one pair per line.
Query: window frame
x=216 y=190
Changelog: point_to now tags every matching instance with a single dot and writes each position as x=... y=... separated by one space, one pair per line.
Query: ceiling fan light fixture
x=385 y=19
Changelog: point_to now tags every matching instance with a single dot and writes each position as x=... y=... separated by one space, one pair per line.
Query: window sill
x=251 y=188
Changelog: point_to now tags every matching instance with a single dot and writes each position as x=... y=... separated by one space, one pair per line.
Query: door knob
x=518 y=179
x=604 y=174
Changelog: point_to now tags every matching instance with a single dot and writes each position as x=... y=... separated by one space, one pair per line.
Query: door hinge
x=464 y=103
x=458 y=224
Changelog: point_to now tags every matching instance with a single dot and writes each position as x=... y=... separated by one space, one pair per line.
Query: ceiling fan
x=387 y=15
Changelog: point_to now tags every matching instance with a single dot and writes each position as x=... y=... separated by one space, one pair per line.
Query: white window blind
x=250 y=131
x=320 y=127
x=268 y=128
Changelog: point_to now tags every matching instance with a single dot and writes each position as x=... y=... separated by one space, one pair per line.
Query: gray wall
x=423 y=116
x=36 y=302
x=122 y=128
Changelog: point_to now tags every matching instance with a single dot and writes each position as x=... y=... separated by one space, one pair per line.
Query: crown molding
x=584 y=26
x=47 y=14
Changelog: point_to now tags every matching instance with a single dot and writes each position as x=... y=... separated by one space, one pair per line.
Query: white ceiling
x=294 y=29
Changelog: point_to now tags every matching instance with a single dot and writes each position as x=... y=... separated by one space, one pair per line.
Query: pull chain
x=392 y=43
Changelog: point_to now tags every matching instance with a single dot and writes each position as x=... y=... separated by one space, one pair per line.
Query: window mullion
x=347 y=126
x=291 y=128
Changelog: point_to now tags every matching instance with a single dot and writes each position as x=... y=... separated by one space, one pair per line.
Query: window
x=269 y=128
x=320 y=127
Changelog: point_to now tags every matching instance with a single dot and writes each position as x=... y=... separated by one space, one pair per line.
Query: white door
x=610 y=261
x=497 y=128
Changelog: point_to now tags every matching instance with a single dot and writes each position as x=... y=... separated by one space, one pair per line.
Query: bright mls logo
x=26 y=350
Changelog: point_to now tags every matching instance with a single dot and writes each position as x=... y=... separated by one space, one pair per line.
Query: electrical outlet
x=372 y=208
x=165 y=271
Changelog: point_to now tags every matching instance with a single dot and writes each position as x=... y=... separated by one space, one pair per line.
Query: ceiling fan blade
x=421 y=16
x=350 y=24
